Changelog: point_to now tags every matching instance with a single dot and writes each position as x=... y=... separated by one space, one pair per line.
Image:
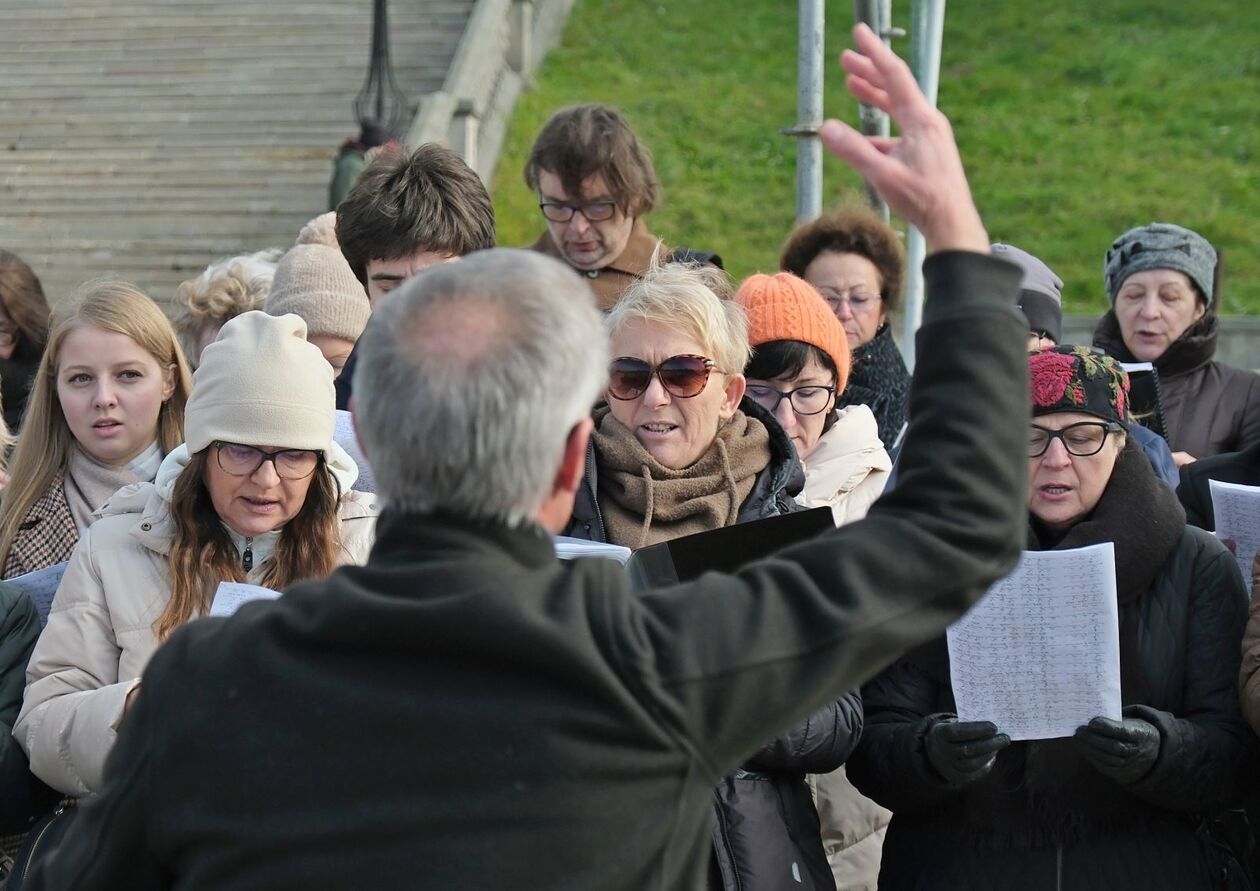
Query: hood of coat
x=852 y=445
x=150 y=502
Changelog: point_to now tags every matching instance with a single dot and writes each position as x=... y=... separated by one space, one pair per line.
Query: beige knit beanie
x=262 y=384
x=314 y=281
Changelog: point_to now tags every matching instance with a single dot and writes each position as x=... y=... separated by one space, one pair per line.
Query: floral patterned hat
x=1078 y=378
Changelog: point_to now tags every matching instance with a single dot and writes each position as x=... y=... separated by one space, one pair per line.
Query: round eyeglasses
x=1082 y=440
x=804 y=400
x=681 y=376
x=243 y=460
x=594 y=211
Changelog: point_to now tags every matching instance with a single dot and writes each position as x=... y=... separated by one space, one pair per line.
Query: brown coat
x=47 y=534
x=610 y=282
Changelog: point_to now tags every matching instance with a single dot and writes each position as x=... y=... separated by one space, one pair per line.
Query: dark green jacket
x=467 y=712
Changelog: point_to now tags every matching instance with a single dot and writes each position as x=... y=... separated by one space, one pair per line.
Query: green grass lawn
x=1076 y=120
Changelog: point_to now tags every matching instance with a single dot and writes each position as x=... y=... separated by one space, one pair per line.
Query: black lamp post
x=380 y=99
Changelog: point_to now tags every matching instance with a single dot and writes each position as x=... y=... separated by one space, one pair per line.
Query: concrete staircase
x=142 y=139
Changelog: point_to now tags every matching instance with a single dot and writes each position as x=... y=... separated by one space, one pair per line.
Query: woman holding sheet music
x=678 y=450
x=258 y=492
x=1123 y=803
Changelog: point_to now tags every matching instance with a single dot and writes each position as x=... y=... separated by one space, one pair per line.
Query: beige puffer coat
x=100 y=631
x=846 y=471
x=848 y=467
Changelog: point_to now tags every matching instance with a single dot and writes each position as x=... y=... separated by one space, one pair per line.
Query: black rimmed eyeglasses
x=594 y=211
x=1082 y=440
x=244 y=460
x=804 y=400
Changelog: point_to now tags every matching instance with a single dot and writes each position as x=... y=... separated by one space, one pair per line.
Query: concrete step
x=147 y=138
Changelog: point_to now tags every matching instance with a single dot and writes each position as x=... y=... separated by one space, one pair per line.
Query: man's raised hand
x=918 y=173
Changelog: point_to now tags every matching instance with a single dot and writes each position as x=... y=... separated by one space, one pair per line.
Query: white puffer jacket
x=848 y=467
x=99 y=635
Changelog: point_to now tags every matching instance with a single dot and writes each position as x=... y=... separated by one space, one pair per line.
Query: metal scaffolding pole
x=926 y=30
x=809 y=110
x=877 y=14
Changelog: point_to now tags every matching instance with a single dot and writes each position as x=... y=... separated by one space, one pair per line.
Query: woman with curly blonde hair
x=226 y=289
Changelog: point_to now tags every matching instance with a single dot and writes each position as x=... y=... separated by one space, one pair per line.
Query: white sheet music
x=572 y=548
x=1237 y=510
x=231 y=596
x=1039 y=655
x=343 y=433
x=41 y=586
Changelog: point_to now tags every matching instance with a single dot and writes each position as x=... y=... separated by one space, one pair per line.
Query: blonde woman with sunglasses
x=678 y=449
x=259 y=492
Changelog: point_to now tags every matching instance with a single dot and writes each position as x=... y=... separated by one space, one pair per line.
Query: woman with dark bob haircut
x=857 y=262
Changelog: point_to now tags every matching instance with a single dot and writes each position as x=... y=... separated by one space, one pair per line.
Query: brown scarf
x=643 y=502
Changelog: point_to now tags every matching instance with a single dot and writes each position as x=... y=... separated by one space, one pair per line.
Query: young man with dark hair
x=407 y=213
x=595 y=182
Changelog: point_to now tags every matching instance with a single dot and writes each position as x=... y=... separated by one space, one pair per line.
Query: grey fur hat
x=1161 y=246
x=1040 y=291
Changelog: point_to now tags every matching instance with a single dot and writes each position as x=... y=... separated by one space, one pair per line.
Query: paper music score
x=1237 y=510
x=1039 y=655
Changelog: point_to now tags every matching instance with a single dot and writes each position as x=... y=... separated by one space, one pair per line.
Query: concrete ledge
x=502 y=46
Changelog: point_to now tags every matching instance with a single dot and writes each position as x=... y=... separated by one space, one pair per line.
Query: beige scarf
x=89 y=483
x=643 y=502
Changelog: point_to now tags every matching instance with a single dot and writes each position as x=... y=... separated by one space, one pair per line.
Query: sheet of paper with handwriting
x=1039 y=655
x=1237 y=510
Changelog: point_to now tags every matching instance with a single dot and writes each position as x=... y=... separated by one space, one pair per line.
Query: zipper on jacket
x=1058 y=868
x=247 y=558
x=25 y=870
x=590 y=476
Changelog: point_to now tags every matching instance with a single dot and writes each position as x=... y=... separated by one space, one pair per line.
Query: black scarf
x=878 y=378
x=1191 y=351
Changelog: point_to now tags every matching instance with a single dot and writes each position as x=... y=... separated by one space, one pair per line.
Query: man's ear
x=573 y=464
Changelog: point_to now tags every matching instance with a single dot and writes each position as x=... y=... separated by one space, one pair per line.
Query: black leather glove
x=1123 y=750
x=963 y=752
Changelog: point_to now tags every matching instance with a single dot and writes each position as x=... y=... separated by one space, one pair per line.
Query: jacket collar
x=1195 y=347
x=404 y=536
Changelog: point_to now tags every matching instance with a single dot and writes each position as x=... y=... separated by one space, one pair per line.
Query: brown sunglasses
x=681 y=376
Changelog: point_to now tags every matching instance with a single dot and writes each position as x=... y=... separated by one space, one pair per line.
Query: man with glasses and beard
x=595 y=182
x=465 y=710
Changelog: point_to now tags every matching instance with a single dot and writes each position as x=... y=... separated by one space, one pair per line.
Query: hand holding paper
x=1124 y=750
x=964 y=751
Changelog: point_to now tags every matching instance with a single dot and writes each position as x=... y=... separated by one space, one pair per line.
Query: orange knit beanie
x=784 y=307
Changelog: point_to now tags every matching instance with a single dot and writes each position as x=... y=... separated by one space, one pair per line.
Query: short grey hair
x=470 y=378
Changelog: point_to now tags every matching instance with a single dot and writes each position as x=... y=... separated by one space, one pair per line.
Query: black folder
x=723 y=550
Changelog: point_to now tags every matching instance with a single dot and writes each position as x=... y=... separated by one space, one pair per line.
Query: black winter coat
x=539 y=725
x=766 y=833
x=1195 y=490
x=22 y=796
x=1043 y=818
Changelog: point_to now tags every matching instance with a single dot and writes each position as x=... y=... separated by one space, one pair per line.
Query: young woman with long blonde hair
x=106 y=406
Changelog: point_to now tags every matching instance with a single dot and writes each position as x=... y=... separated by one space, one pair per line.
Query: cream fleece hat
x=314 y=281
x=262 y=384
